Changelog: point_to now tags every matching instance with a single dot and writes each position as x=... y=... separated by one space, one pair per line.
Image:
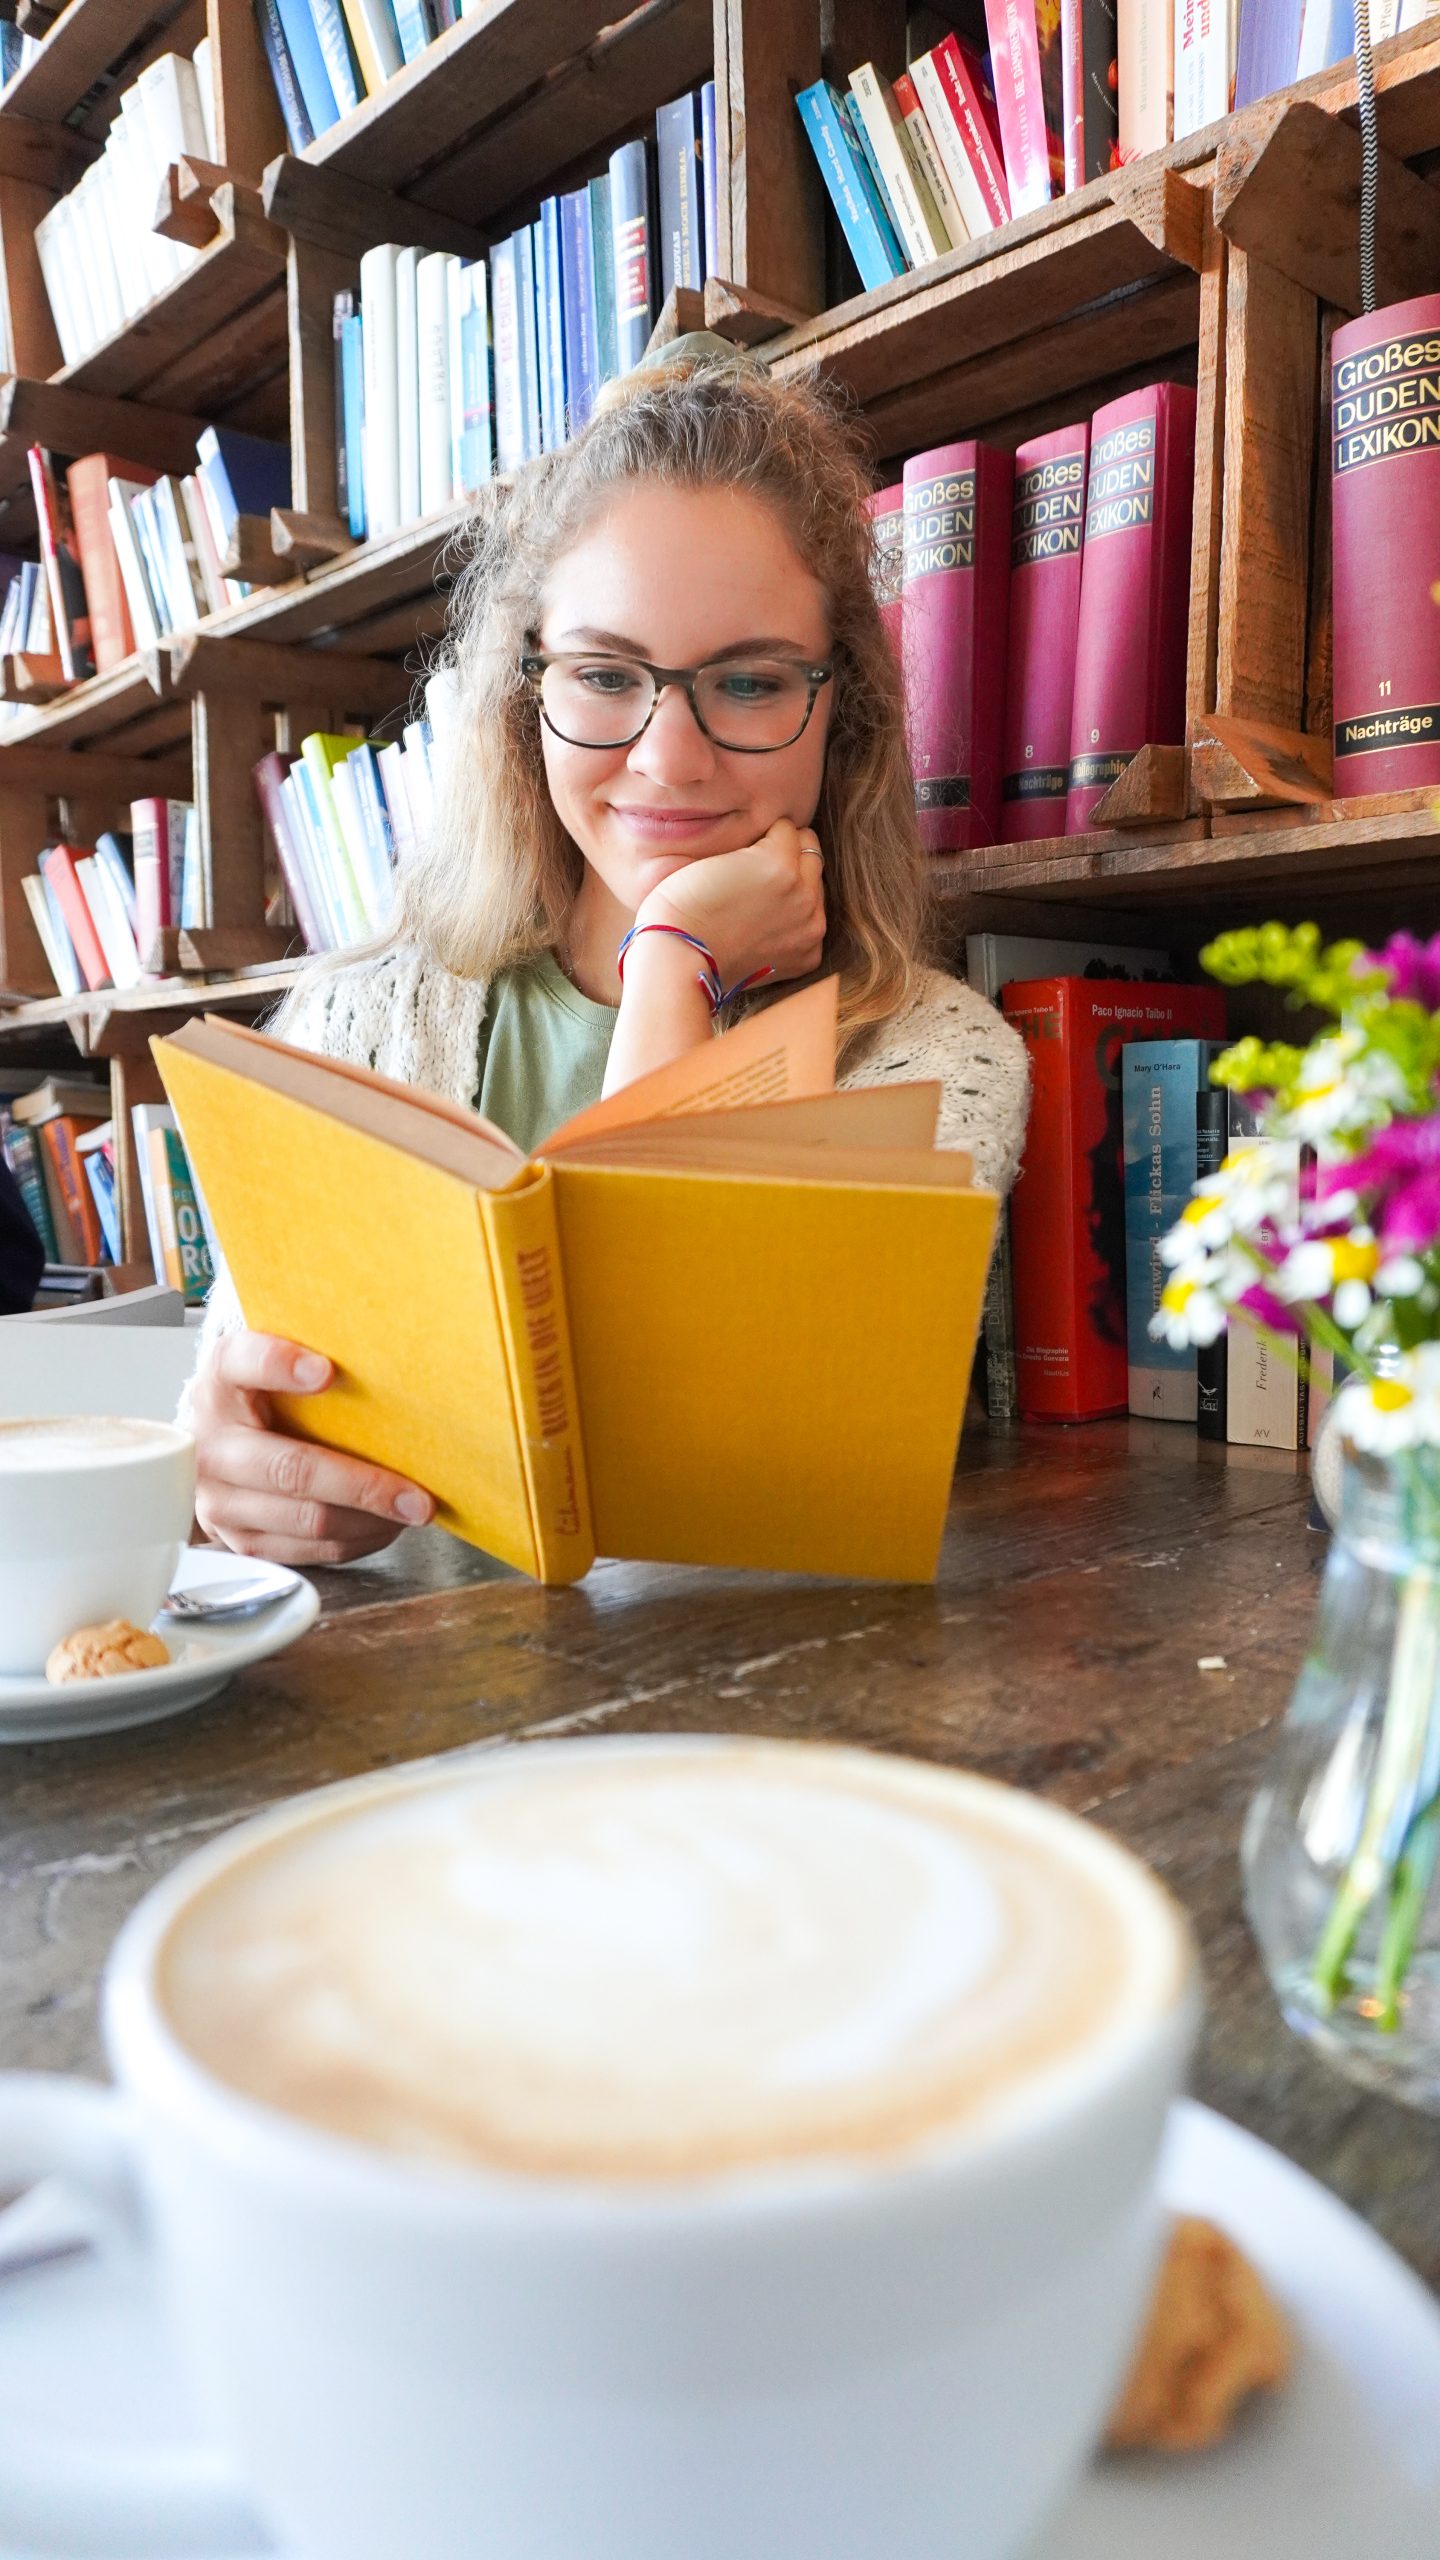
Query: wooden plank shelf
x=215 y=342
x=119 y=1021
x=1263 y=860
x=93 y=43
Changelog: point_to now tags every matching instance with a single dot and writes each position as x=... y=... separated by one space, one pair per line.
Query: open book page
x=780 y=1137
x=423 y=1124
x=787 y=1050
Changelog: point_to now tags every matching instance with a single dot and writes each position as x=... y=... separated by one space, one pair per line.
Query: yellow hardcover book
x=725 y=1316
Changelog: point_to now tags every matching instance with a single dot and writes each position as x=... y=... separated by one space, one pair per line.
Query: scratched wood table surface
x=1085 y=1576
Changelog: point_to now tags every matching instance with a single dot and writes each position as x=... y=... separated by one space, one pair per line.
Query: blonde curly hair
x=494 y=884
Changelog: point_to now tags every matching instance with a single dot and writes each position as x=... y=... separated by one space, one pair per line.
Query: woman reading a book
x=677 y=783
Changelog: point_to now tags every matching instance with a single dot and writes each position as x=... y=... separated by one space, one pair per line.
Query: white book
x=380 y=442
x=58 y=948
x=1204 y=64
x=407 y=381
x=432 y=312
x=314 y=864
x=192 y=904
x=930 y=90
x=391 y=762
x=216 y=588
x=111 y=923
x=923 y=149
x=39 y=637
x=98 y=212
x=56 y=266
x=144 y=619
x=379 y=25
x=178 y=555
x=205 y=91
x=125 y=239
x=372 y=876
x=145 y=1116
x=171 y=101
x=1327 y=32
x=921 y=230
x=162 y=257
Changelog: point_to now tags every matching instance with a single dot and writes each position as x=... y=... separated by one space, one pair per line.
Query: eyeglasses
x=750 y=706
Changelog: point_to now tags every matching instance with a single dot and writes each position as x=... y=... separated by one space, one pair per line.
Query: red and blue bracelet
x=707 y=976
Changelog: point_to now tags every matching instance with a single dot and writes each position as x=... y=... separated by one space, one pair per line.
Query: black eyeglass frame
x=533 y=666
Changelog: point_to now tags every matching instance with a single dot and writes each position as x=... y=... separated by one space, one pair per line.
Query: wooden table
x=1085 y=1576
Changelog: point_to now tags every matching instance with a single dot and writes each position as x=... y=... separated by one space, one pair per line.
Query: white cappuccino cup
x=94 y=1510
x=634 y=2149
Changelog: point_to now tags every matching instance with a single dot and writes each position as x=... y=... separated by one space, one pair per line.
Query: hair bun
x=697 y=351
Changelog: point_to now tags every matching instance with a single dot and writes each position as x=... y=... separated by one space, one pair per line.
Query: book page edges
x=787 y=1050
x=524 y=1246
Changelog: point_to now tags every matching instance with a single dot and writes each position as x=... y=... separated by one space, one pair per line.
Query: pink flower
x=1413 y=968
x=1258 y=1301
x=1398 y=1177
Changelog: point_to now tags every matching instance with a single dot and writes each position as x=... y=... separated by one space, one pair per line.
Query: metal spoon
x=260 y=1590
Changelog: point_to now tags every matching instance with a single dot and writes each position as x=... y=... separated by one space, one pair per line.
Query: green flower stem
x=1397 y=1778
x=1407 y=1903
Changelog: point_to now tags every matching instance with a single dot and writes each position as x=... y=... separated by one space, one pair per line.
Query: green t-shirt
x=543 y=1050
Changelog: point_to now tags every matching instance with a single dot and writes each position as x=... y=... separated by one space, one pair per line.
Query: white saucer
x=203 y=1658
x=1344 y=2465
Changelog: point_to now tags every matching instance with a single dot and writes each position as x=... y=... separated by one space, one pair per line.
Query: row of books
x=127 y=554
x=326 y=55
x=99 y=254
x=448 y=370
x=99 y=910
x=58 y=1140
x=1123 y=1120
x=345 y=813
x=1039 y=607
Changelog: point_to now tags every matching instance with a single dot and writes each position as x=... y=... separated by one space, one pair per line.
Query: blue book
x=316 y=87
x=509 y=381
x=100 y=1175
x=602 y=268
x=1159 y=1083
x=293 y=112
x=577 y=266
x=632 y=231
x=413 y=27
x=342 y=69
x=710 y=178
x=528 y=338
x=863 y=219
x=550 y=289
x=858 y=128
x=1267 y=48
x=474 y=446
x=682 y=218
x=552 y=418
x=352 y=383
x=246 y=475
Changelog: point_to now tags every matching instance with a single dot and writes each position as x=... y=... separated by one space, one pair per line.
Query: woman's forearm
x=664 y=1011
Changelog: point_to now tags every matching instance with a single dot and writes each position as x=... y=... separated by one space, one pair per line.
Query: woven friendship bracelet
x=708 y=976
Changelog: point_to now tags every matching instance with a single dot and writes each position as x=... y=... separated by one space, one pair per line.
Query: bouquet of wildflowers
x=1349 y=1259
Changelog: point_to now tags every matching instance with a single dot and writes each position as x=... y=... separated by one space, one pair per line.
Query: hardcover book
x=869 y=235
x=927 y=156
x=955 y=92
x=886 y=510
x=69 y=612
x=554 y=1410
x=682 y=211
x=956 y=588
x=1026 y=69
x=1212 y=1145
x=1385 y=491
x=1267 y=48
x=1145 y=46
x=1047 y=531
x=1204 y=64
x=294 y=115
x=1134 y=589
x=577 y=262
x=710 y=177
x=1160 y=1084
x=509 y=388
x=632 y=227
x=921 y=226
x=1090 y=74
x=1067 y=1211
x=59 y=870
x=307 y=55
x=112 y=634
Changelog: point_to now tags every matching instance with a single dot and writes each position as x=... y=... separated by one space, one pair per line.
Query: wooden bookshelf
x=1224 y=261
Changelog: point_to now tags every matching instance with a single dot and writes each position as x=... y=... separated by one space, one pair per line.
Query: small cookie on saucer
x=98 y=1653
x=1213 y=2336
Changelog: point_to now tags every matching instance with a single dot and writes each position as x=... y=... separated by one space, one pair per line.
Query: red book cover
x=1067 y=1210
x=1134 y=589
x=972 y=104
x=886 y=511
x=1047 y=529
x=1025 y=65
x=1090 y=82
x=1385 y=460
x=155 y=864
x=58 y=1137
x=269 y=773
x=69 y=614
x=957 y=578
x=112 y=635
x=57 y=865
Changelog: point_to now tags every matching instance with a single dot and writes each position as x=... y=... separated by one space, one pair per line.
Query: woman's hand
x=264 y=1494
x=764 y=905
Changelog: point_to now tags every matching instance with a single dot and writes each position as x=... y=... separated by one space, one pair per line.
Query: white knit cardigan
x=411 y=1019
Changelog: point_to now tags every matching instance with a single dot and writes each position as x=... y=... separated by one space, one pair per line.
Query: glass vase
x=1341 y=1839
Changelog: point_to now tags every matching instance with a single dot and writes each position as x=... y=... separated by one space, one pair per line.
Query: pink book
x=1028 y=94
x=156 y=869
x=971 y=101
x=1047 y=530
x=886 y=511
x=1134 y=589
x=957 y=579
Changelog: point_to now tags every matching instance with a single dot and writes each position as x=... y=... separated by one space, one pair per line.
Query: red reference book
x=1026 y=69
x=1090 y=71
x=112 y=635
x=957 y=578
x=1134 y=589
x=1067 y=1210
x=1385 y=462
x=1047 y=529
x=157 y=829
x=886 y=510
x=57 y=868
x=955 y=92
